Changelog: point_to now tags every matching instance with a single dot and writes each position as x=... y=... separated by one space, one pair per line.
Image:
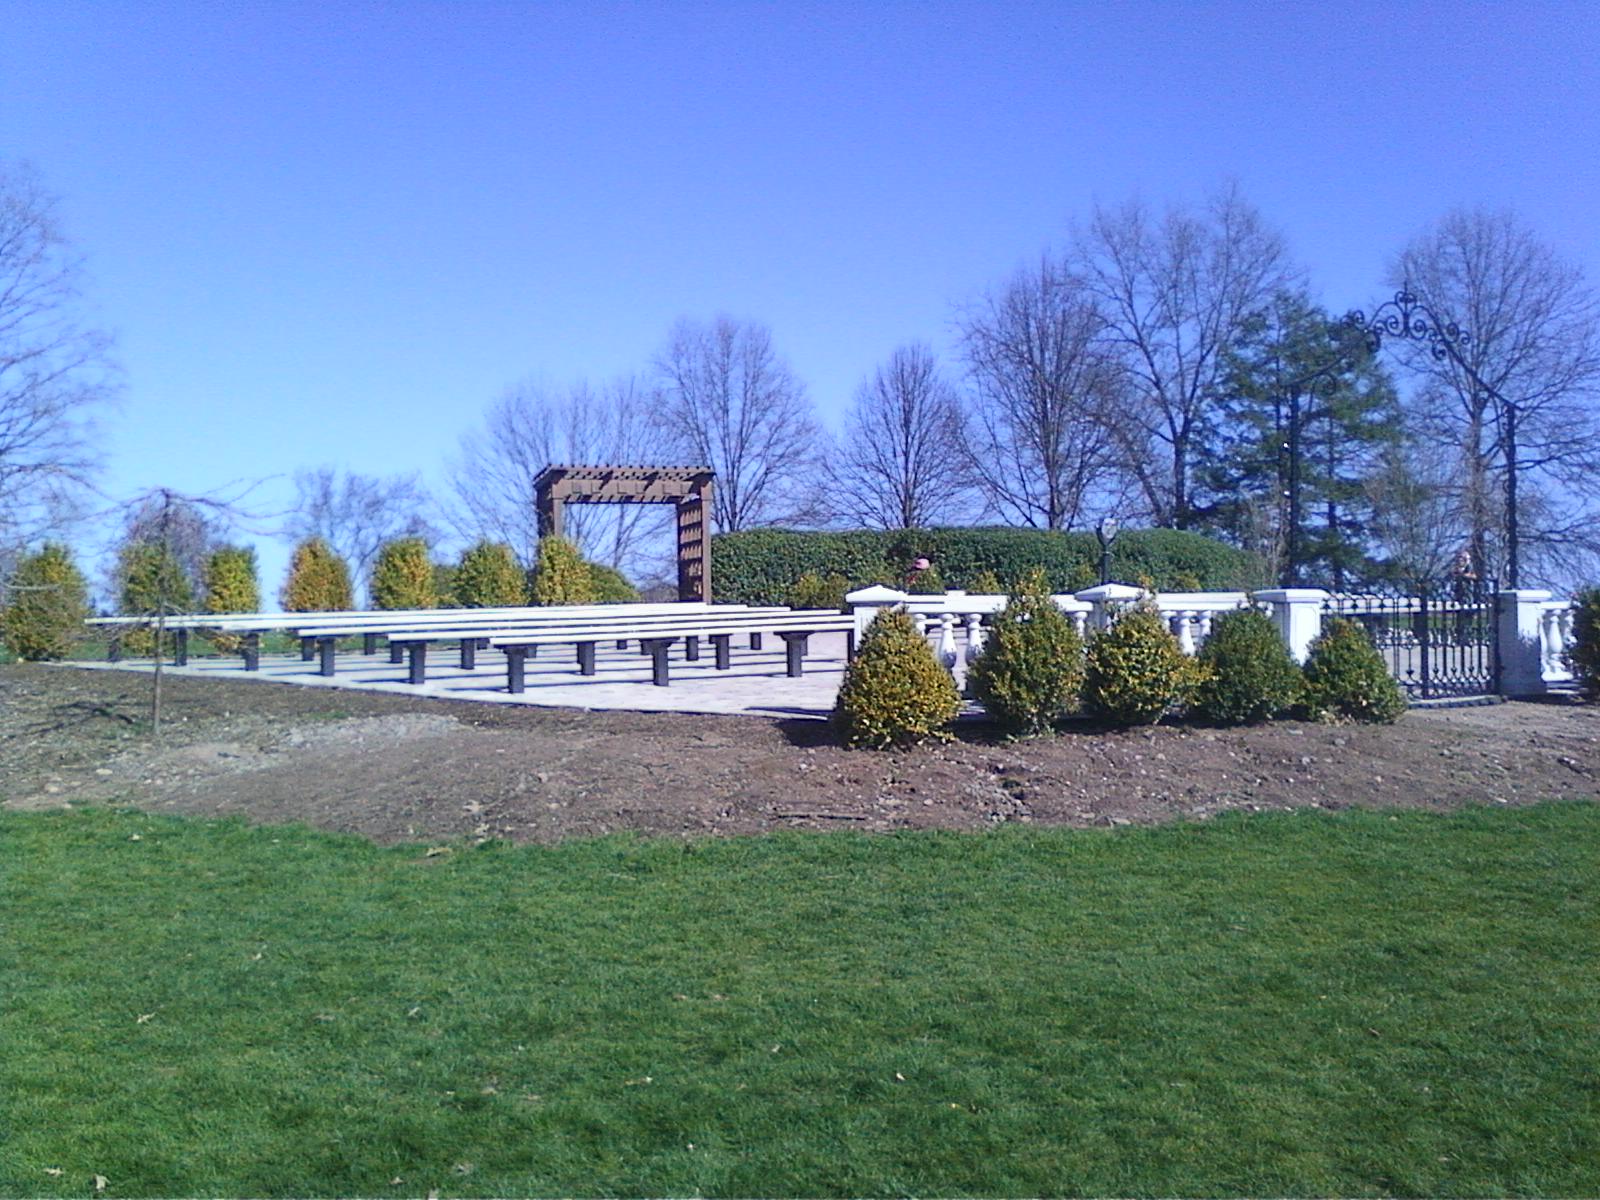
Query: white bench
x=655 y=637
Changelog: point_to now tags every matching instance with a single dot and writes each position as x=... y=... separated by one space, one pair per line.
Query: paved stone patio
x=756 y=685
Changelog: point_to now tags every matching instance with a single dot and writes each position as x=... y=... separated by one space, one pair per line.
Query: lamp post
x=1107 y=533
x=1411 y=319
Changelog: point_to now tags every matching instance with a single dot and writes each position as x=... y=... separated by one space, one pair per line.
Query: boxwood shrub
x=760 y=566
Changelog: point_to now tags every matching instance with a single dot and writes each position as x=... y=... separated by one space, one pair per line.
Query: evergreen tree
x=402 y=576
x=152 y=584
x=232 y=586
x=47 y=601
x=1300 y=381
x=488 y=577
x=319 y=580
x=560 y=576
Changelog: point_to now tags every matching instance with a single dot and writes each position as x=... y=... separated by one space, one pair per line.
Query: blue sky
x=333 y=232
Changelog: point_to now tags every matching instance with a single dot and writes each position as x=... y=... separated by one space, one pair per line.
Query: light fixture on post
x=1107 y=533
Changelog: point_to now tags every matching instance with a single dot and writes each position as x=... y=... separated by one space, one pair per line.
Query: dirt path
x=394 y=768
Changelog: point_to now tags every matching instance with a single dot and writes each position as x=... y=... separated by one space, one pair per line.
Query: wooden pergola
x=688 y=488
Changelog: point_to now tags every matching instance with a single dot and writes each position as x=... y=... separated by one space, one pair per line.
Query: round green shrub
x=1247 y=673
x=894 y=693
x=560 y=576
x=818 y=591
x=1135 y=671
x=611 y=586
x=402 y=576
x=1584 y=652
x=1347 y=679
x=232 y=586
x=1031 y=668
x=488 y=577
x=47 y=602
x=319 y=580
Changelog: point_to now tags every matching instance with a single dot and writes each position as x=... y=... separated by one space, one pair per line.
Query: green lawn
x=1290 y=1004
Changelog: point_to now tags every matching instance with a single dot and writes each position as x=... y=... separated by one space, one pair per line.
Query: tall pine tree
x=1301 y=385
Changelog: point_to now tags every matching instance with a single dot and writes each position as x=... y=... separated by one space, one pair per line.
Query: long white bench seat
x=371 y=624
x=795 y=627
x=318 y=640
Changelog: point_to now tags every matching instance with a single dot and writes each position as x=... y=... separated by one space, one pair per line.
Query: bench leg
x=397 y=653
x=516 y=678
x=308 y=649
x=469 y=653
x=720 y=645
x=622 y=643
x=252 y=651
x=180 y=647
x=755 y=641
x=369 y=643
x=325 y=651
x=850 y=645
x=795 y=646
x=585 y=658
x=419 y=662
x=659 y=671
x=691 y=649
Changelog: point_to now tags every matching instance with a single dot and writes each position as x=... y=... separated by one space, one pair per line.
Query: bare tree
x=729 y=402
x=1040 y=443
x=1533 y=326
x=1417 y=517
x=54 y=372
x=530 y=428
x=1175 y=292
x=900 y=462
x=356 y=514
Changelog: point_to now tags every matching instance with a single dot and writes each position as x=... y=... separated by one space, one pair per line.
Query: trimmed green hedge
x=760 y=566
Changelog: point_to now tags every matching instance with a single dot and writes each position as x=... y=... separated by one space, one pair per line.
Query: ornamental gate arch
x=687 y=488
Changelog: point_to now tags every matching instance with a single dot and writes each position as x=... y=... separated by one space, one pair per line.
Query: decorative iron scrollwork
x=1406 y=317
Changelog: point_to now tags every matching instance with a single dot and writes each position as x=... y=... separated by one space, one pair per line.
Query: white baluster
x=1205 y=628
x=975 y=637
x=1080 y=622
x=1549 y=641
x=1185 y=631
x=1568 y=616
x=947 y=641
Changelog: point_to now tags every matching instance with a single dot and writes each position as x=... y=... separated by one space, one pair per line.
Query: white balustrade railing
x=1534 y=631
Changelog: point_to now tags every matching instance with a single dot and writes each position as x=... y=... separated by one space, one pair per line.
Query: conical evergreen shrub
x=152 y=583
x=1135 y=671
x=1031 y=669
x=1247 y=672
x=319 y=580
x=1347 y=679
x=894 y=692
x=232 y=586
x=488 y=577
x=560 y=576
x=402 y=576
x=46 y=605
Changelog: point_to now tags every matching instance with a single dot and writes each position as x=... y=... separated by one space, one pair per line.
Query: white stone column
x=1107 y=598
x=1297 y=612
x=867 y=603
x=1519 y=615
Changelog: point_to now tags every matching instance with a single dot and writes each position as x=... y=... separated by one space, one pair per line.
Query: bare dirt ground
x=393 y=768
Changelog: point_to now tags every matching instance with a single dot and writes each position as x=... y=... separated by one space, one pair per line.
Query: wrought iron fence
x=1438 y=643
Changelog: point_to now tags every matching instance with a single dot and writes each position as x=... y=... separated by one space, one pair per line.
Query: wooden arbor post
x=687 y=488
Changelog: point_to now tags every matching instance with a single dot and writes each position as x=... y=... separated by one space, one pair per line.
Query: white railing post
x=1107 y=598
x=947 y=642
x=975 y=637
x=1297 y=612
x=1519 y=617
x=867 y=603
